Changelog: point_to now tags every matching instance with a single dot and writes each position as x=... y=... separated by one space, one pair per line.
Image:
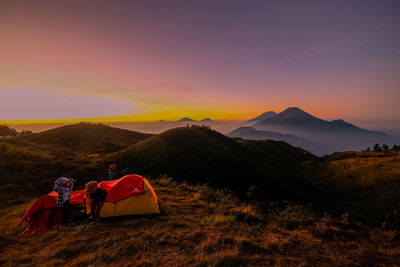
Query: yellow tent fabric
x=146 y=203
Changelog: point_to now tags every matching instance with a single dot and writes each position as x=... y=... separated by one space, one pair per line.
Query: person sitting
x=63 y=186
x=112 y=172
x=95 y=198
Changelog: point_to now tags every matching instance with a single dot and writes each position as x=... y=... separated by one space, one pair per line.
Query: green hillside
x=364 y=184
x=199 y=155
x=195 y=154
x=238 y=224
x=88 y=137
x=29 y=170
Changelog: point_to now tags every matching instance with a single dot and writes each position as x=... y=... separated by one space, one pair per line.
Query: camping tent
x=130 y=195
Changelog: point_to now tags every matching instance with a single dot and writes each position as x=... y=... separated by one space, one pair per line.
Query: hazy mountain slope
x=87 y=137
x=336 y=135
x=200 y=155
x=261 y=117
x=186 y=120
x=364 y=184
x=253 y=134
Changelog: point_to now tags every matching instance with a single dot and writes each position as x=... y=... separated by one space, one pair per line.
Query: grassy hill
x=29 y=170
x=364 y=184
x=203 y=227
x=88 y=137
x=7 y=131
x=199 y=155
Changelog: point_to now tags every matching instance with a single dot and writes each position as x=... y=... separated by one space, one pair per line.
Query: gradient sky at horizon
x=152 y=60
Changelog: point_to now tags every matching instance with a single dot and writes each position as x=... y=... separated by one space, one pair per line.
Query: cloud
x=42 y=104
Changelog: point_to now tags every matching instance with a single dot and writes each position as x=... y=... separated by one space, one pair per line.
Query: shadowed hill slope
x=29 y=169
x=364 y=184
x=5 y=130
x=342 y=136
x=253 y=134
x=200 y=155
x=87 y=137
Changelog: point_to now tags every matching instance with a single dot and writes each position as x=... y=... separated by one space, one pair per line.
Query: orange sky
x=118 y=61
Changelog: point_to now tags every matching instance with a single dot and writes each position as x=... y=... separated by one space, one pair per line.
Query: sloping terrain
x=261 y=117
x=7 y=131
x=88 y=137
x=29 y=170
x=331 y=136
x=253 y=134
x=199 y=155
x=364 y=184
x=202 y=227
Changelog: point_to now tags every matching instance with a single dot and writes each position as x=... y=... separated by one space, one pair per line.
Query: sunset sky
x=152 y=60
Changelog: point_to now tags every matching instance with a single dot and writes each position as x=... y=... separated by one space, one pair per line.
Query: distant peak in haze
x=294 y=113
x=263 y=116
x=186 y=119
x=207 y=120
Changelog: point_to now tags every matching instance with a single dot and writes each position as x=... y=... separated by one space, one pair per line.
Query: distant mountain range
x=190 y=120
x=320 y=137
x=253 y=134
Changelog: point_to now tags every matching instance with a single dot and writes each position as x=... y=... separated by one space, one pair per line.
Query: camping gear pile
x=129 y=195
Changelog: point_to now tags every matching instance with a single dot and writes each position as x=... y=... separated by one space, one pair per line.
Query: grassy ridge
x=7 y=131
x=203 y=227
x=364 y=184
x=29 y=170
x=88 y=137
x=197 y=154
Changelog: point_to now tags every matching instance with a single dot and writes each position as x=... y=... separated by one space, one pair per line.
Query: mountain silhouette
x=186 y=120
x=207 y=120
x=200 y=155
x=263 y=116
x=253 y=134
x=327 y=136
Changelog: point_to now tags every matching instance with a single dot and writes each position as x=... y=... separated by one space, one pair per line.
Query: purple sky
x=222 y=59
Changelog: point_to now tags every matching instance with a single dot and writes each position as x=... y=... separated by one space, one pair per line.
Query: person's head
x=91 y=187
x=112 y=167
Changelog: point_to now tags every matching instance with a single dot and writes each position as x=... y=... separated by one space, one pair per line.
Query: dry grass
x=236 y=235
x=364 y=184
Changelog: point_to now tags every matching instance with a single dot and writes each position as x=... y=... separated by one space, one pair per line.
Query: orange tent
x=130 y=195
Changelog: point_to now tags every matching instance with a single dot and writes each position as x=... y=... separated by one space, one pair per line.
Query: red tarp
x=122 y=188
x=43 y=213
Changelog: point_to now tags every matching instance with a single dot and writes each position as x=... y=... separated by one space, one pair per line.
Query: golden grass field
x=203 y=227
